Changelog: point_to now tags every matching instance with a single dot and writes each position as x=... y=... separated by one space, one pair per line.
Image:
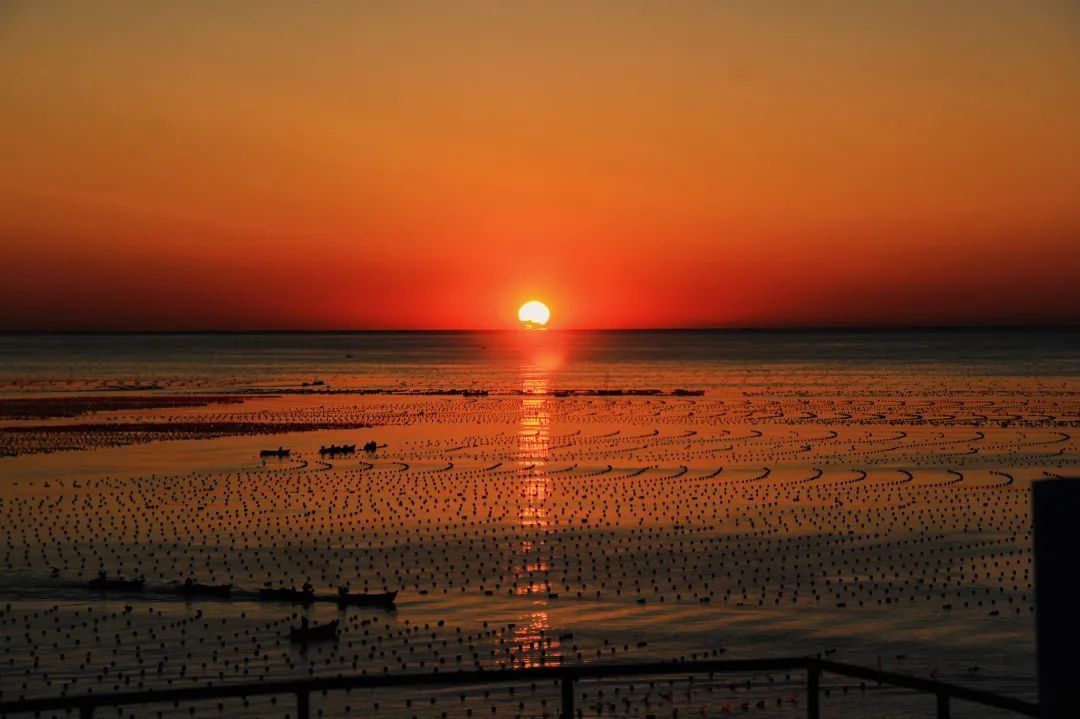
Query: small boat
x=279 y=452
x=338 y=449
x=117 y=585
x=194 y=589
x=316 y=633
x=384 y=599
x=283 y=594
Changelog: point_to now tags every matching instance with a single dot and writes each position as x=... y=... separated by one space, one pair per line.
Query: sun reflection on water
x=534 y=643
x=534 y=444
x=533 y=447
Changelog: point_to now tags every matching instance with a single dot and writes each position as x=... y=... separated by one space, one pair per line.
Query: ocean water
x=498 y=359
x=863 y=496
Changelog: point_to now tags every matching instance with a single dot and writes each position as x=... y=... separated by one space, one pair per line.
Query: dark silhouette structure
x=1056 y=511
x=567 y=676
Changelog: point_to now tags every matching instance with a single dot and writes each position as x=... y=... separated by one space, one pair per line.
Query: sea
x=536 y=499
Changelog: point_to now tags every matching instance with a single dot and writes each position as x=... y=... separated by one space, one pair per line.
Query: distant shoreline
x=841 y=329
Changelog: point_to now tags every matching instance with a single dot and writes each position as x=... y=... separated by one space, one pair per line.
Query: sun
x=534 y=315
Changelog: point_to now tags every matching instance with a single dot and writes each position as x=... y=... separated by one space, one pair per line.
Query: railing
x=565 y=675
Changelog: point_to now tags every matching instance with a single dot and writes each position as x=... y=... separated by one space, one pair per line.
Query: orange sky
x=634 y=164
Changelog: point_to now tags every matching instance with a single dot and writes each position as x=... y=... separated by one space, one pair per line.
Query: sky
x=378 y=164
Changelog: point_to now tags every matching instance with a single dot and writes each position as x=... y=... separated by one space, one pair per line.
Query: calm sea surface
x=862 y=496
x=496 y=359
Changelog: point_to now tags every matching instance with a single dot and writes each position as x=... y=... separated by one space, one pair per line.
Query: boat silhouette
x=338 y=449
x=101 y=582
x=194 y=589
x=307 y=633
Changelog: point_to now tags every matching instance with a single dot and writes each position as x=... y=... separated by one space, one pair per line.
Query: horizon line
x=443 y=330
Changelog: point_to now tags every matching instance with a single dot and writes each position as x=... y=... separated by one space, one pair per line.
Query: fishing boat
x=194 y=589
x=338 y=449
x=383 y=599
x=284 y=594
x=117 y=585
x=320 y=632
x=279 y=452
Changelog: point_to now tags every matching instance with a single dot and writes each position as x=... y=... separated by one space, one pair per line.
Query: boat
x=338 y=449
x=383 y=599
x=283 y=594
x=279 y=452
x=194 y=589
x=316 y=633
x=117 y=585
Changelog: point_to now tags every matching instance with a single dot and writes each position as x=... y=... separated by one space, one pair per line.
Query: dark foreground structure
x=1056 y=507
x=566 y=676
x=1056 y=511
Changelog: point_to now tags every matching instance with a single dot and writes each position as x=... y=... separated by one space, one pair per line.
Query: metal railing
x=566 y=675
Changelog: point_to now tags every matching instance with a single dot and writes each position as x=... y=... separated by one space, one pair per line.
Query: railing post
x=813 y=686
x=303 y=704
x=567 y=689
x=944 y=710
x=1055 y=508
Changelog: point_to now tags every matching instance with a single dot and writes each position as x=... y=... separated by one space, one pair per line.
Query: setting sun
x=534 y=314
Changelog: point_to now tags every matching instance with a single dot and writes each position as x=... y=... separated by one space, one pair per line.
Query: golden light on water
x=534 y=314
